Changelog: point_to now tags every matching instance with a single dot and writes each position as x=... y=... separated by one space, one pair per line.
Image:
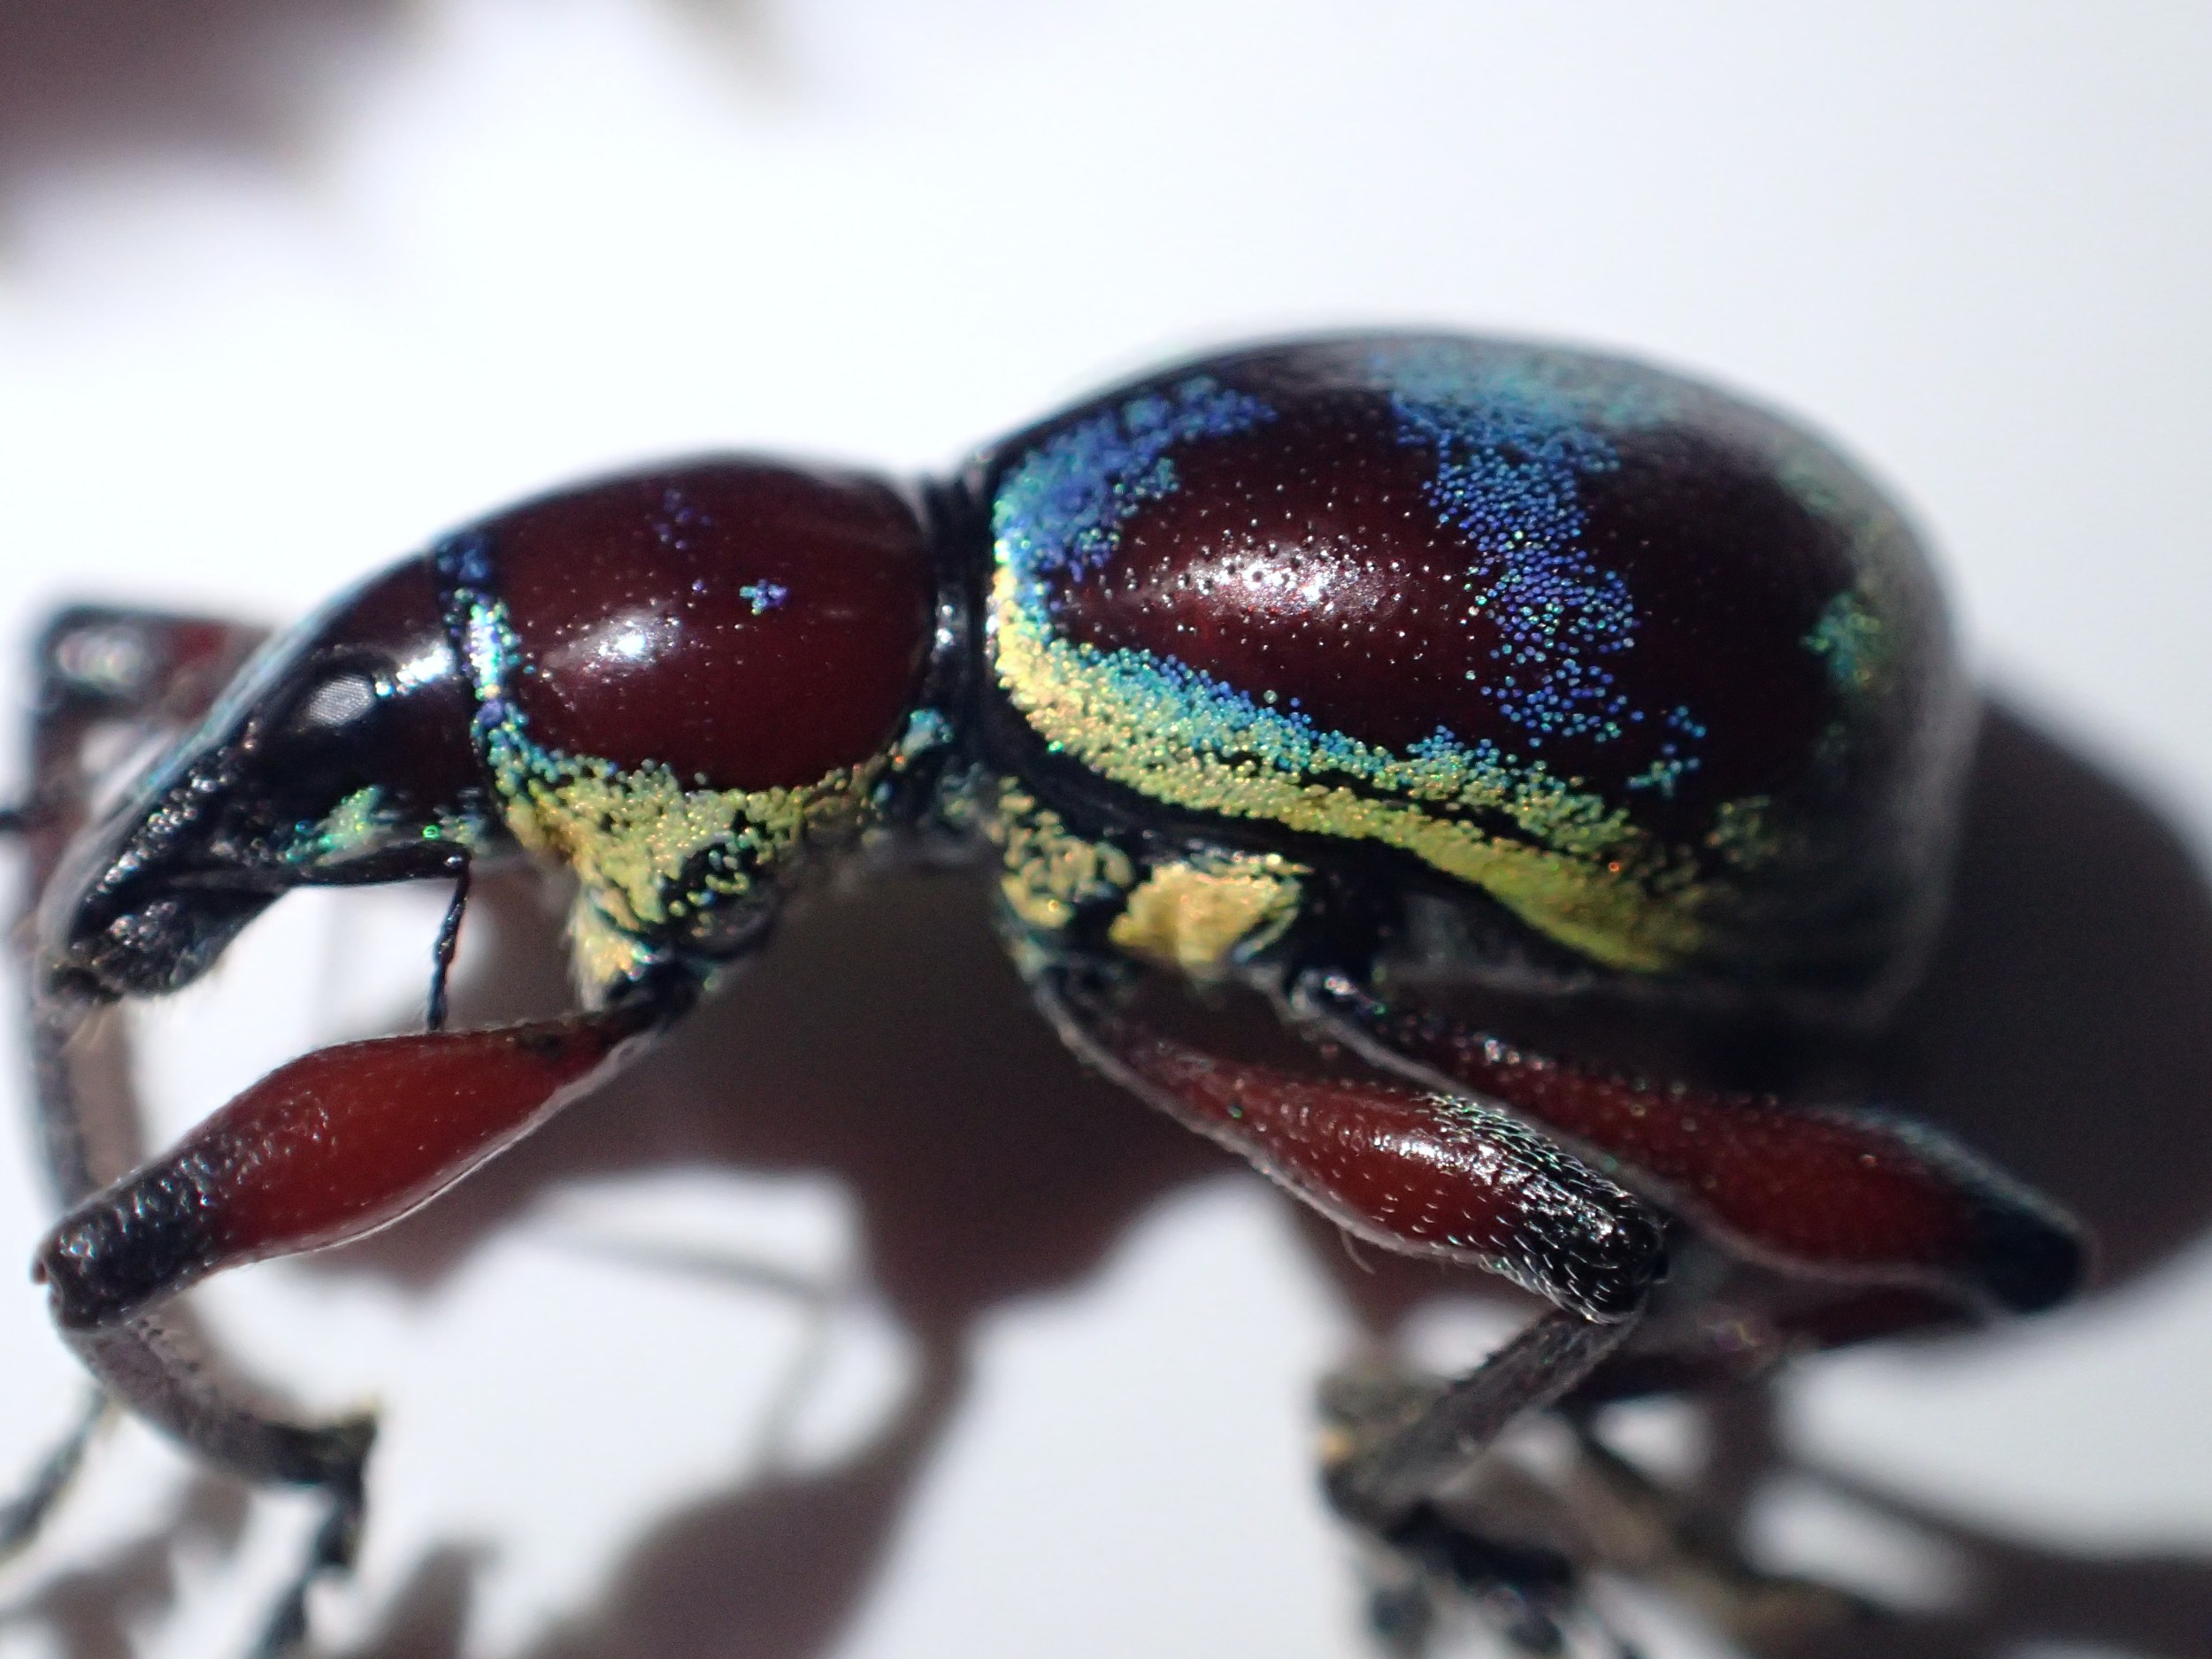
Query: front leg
x=346 y=757
x=115 y=679
x=331 y=1147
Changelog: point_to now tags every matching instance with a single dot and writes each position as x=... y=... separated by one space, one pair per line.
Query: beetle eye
x=336 y=702
x=330 y=734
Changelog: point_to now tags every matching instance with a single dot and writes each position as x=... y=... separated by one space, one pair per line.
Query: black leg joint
x=136 y=1244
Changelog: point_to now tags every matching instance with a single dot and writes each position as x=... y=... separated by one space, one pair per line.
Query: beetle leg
x=1529 y=1595
x=162 y=1365
x=1851 y=1195
x=448 y=941
x=1545 y=1527
x=1414 y=1171
x=324 y=1150
x=1383 y=1472
x=335 y=1144
x=1427 y=1174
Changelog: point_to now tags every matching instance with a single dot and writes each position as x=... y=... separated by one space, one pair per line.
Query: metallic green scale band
x=649 y=855
x=1586 y=877
x=1558 y=854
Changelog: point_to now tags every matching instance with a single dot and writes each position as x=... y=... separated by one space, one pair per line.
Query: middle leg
x=1420 y=1173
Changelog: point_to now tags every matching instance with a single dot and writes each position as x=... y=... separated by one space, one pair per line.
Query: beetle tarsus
x=1384 y=1471
x=331 y=1551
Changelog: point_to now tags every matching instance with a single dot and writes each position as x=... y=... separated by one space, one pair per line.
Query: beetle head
x=341 y=756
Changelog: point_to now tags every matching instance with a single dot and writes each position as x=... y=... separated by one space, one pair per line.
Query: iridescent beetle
x=1249 y=671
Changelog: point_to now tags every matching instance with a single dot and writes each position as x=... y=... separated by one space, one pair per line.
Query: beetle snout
x=150 y=948
x=152 y=899
x=342 y=756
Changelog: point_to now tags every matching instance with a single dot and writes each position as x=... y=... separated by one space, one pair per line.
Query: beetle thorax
x=686 y=679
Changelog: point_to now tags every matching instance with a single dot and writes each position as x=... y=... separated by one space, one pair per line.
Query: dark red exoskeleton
x=1310 y=668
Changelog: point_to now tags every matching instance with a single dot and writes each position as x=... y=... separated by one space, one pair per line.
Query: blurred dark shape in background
x=120 y=80
x=262 y=82
x=2065 y=1024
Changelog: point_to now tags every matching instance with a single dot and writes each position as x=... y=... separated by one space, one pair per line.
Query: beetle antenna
x=448 y=941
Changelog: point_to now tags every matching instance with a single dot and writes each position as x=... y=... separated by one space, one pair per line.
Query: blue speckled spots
x=1157 y=722
x=1508 y=477
x=1062 y=512
x=764 y=596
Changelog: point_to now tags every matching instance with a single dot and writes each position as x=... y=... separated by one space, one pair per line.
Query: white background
x=278 y=302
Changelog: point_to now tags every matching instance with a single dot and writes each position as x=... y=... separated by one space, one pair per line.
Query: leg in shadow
x=90 y=1612
x=2064 y=1028
x=771 y=1571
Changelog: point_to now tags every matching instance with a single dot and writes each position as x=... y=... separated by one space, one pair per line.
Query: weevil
x=1243 y=674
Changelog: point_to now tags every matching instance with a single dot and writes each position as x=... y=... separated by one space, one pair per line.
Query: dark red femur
x=747 y=624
